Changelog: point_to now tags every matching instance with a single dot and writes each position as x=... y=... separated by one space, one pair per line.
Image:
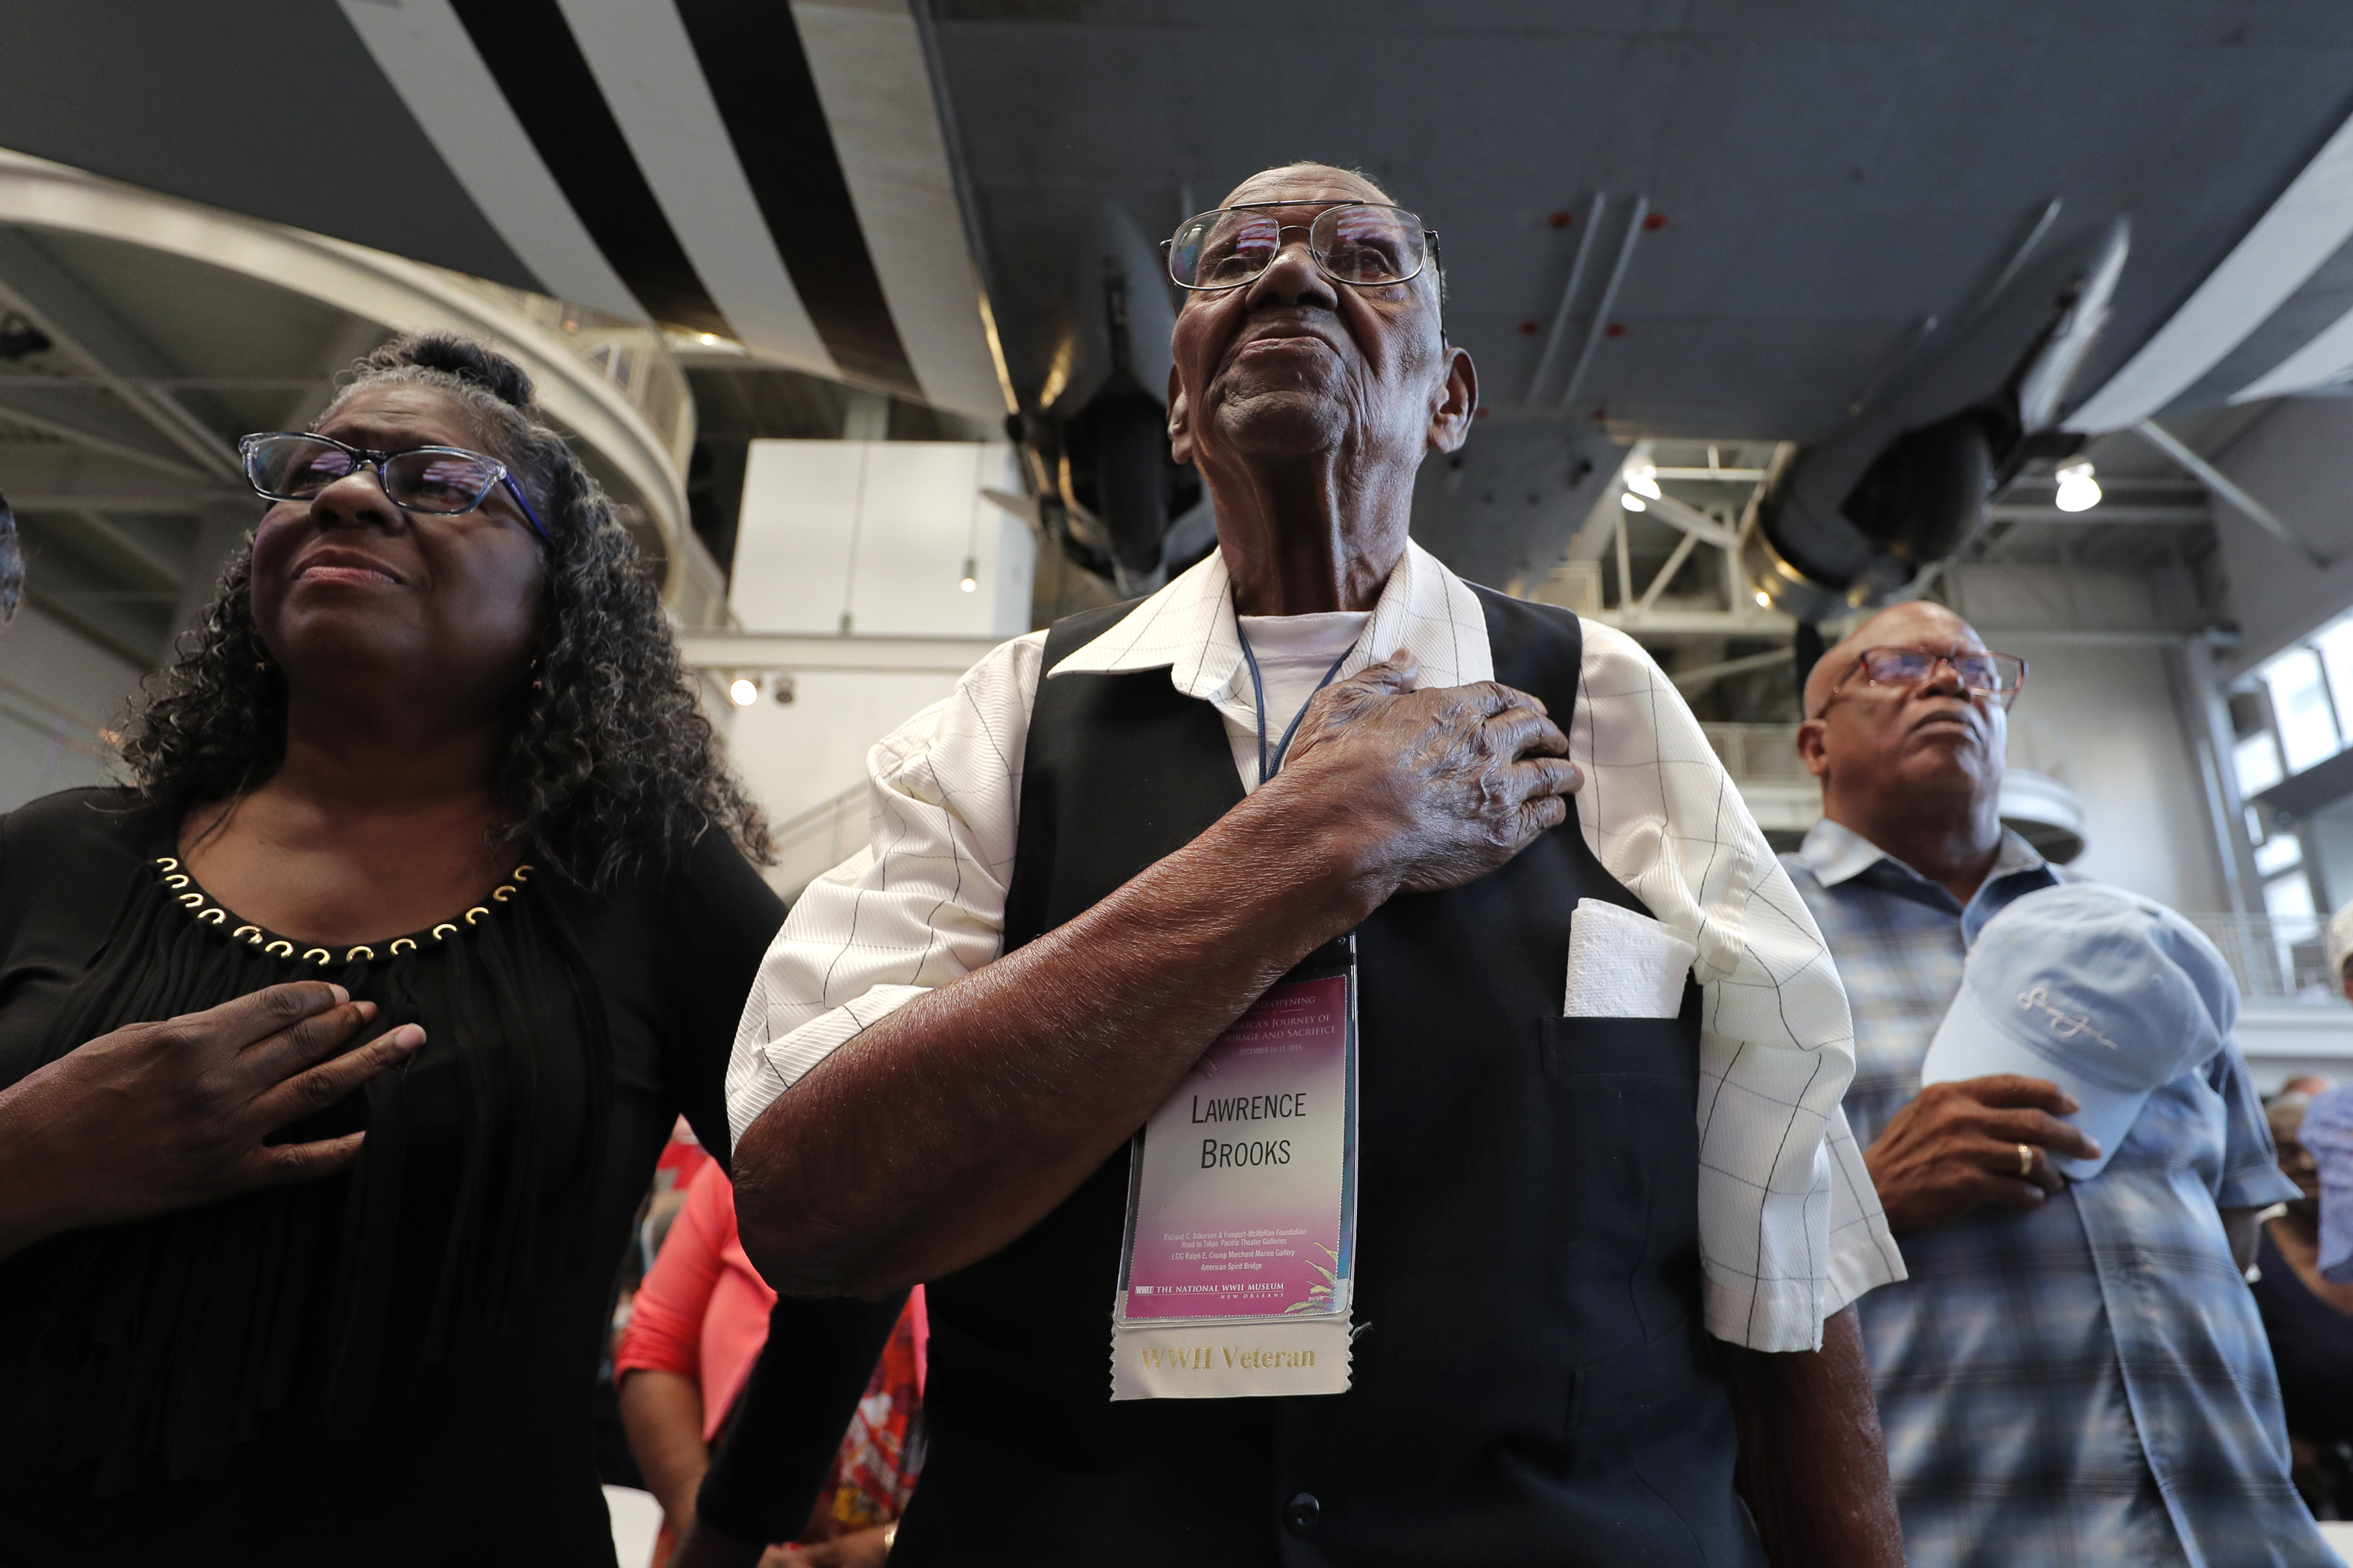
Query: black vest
x=1530 y=1384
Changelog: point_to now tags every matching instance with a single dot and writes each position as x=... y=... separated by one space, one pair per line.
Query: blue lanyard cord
x=1267 y=770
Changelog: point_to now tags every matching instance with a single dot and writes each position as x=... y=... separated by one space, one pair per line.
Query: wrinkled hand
x=1954 y=1149
x=1452 y=782
x=163 y=1116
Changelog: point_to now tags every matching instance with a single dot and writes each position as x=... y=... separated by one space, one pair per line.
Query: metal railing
x=632 y=356
x=2037 y=746
x=817 y=840
x=1756 y=751
x=2277 y=958
x=1769 y=751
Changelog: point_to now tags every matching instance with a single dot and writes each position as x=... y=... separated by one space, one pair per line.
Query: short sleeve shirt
x=1790 y=1230
x=2086 y=1382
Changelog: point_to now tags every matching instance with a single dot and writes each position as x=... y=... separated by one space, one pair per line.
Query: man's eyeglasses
x=1994 y=676
x=442 y=481
x=1358 y=242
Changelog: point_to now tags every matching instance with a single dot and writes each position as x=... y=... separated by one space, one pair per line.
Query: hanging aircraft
x=1925 y=243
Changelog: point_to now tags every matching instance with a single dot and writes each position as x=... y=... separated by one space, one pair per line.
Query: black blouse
x=392 y=1364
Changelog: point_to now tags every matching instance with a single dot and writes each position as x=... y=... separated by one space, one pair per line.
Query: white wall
x=58 y=690
x=880 y=529
x=799 y=756
x=2146 y=824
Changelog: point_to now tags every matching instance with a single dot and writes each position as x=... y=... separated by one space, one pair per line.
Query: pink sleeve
x=665 y=1332
x=919 y=1313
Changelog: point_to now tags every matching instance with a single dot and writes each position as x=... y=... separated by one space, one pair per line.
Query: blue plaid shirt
x=2087 y=1382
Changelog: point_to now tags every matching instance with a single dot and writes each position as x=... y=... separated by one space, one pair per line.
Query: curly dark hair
x=612 y=763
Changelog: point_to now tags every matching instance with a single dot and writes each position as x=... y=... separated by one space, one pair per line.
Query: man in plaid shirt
x=2070 y=1374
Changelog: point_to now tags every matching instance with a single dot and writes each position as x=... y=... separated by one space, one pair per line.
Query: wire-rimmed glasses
x=441 y=481
x=1365 y=244
x=1996 y=676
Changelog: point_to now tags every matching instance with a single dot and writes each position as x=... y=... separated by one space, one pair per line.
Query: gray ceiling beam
x=89 y=618
x=1608 y=300
x=355 y=336
x=105 y=544
x=177 y=503
x=83 y=323
x=217 y=537
x=2118 y=487
x=1560 y=315
x=1722 y=476
x=2223 y=485
x=98 y=419
x=66 y=574
x=2106 y=511
x=177 y=383
x=1689 y=681
x=1691 y=520
x=54 y=477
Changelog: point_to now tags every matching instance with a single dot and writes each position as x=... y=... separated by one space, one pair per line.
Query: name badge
x=1239 y=1252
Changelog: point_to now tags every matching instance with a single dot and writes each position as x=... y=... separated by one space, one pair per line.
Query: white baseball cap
x=2103 y=991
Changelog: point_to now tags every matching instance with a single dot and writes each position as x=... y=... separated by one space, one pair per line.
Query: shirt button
x=1301 y=1513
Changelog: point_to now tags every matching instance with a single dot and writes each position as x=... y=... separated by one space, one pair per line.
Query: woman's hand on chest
x=155 y=1118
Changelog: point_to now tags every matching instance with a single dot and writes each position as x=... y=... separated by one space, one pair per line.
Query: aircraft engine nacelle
x=1112 y=490
x=1853 y=519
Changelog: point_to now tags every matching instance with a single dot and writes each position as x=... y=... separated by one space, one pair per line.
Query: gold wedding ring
x=2026 y=1161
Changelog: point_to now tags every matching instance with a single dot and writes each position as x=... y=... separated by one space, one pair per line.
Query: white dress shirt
x=1790 y=1228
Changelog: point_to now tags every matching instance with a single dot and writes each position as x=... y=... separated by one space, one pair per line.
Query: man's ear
x=1456 y=403
x=1180 y=420
x=1813 y=747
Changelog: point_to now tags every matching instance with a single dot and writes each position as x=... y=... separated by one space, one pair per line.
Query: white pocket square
x=1623 y=966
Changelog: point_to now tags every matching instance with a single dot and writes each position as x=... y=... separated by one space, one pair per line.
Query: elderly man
x=1097 y=869
x=2072 y=1374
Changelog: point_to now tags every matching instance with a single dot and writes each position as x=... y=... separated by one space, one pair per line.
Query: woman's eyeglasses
x=1994 y=676
x=1359 y=243
x=442 y=481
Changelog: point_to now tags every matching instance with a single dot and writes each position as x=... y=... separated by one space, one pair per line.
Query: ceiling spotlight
x=743 y=692
x=1643 y=480
x=2078 y=490
x=1764 y=600
x=970 y=581
x=1633 y=503
x=707 y=340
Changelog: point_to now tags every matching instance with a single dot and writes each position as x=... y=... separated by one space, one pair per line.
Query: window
x=2335 y=645
x=2301 y=708
x=2288 y=900
x=2257 y=761
x=2276 y=855
x=2311 y=691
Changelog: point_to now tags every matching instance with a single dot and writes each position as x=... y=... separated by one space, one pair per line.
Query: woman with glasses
x=428 y=779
